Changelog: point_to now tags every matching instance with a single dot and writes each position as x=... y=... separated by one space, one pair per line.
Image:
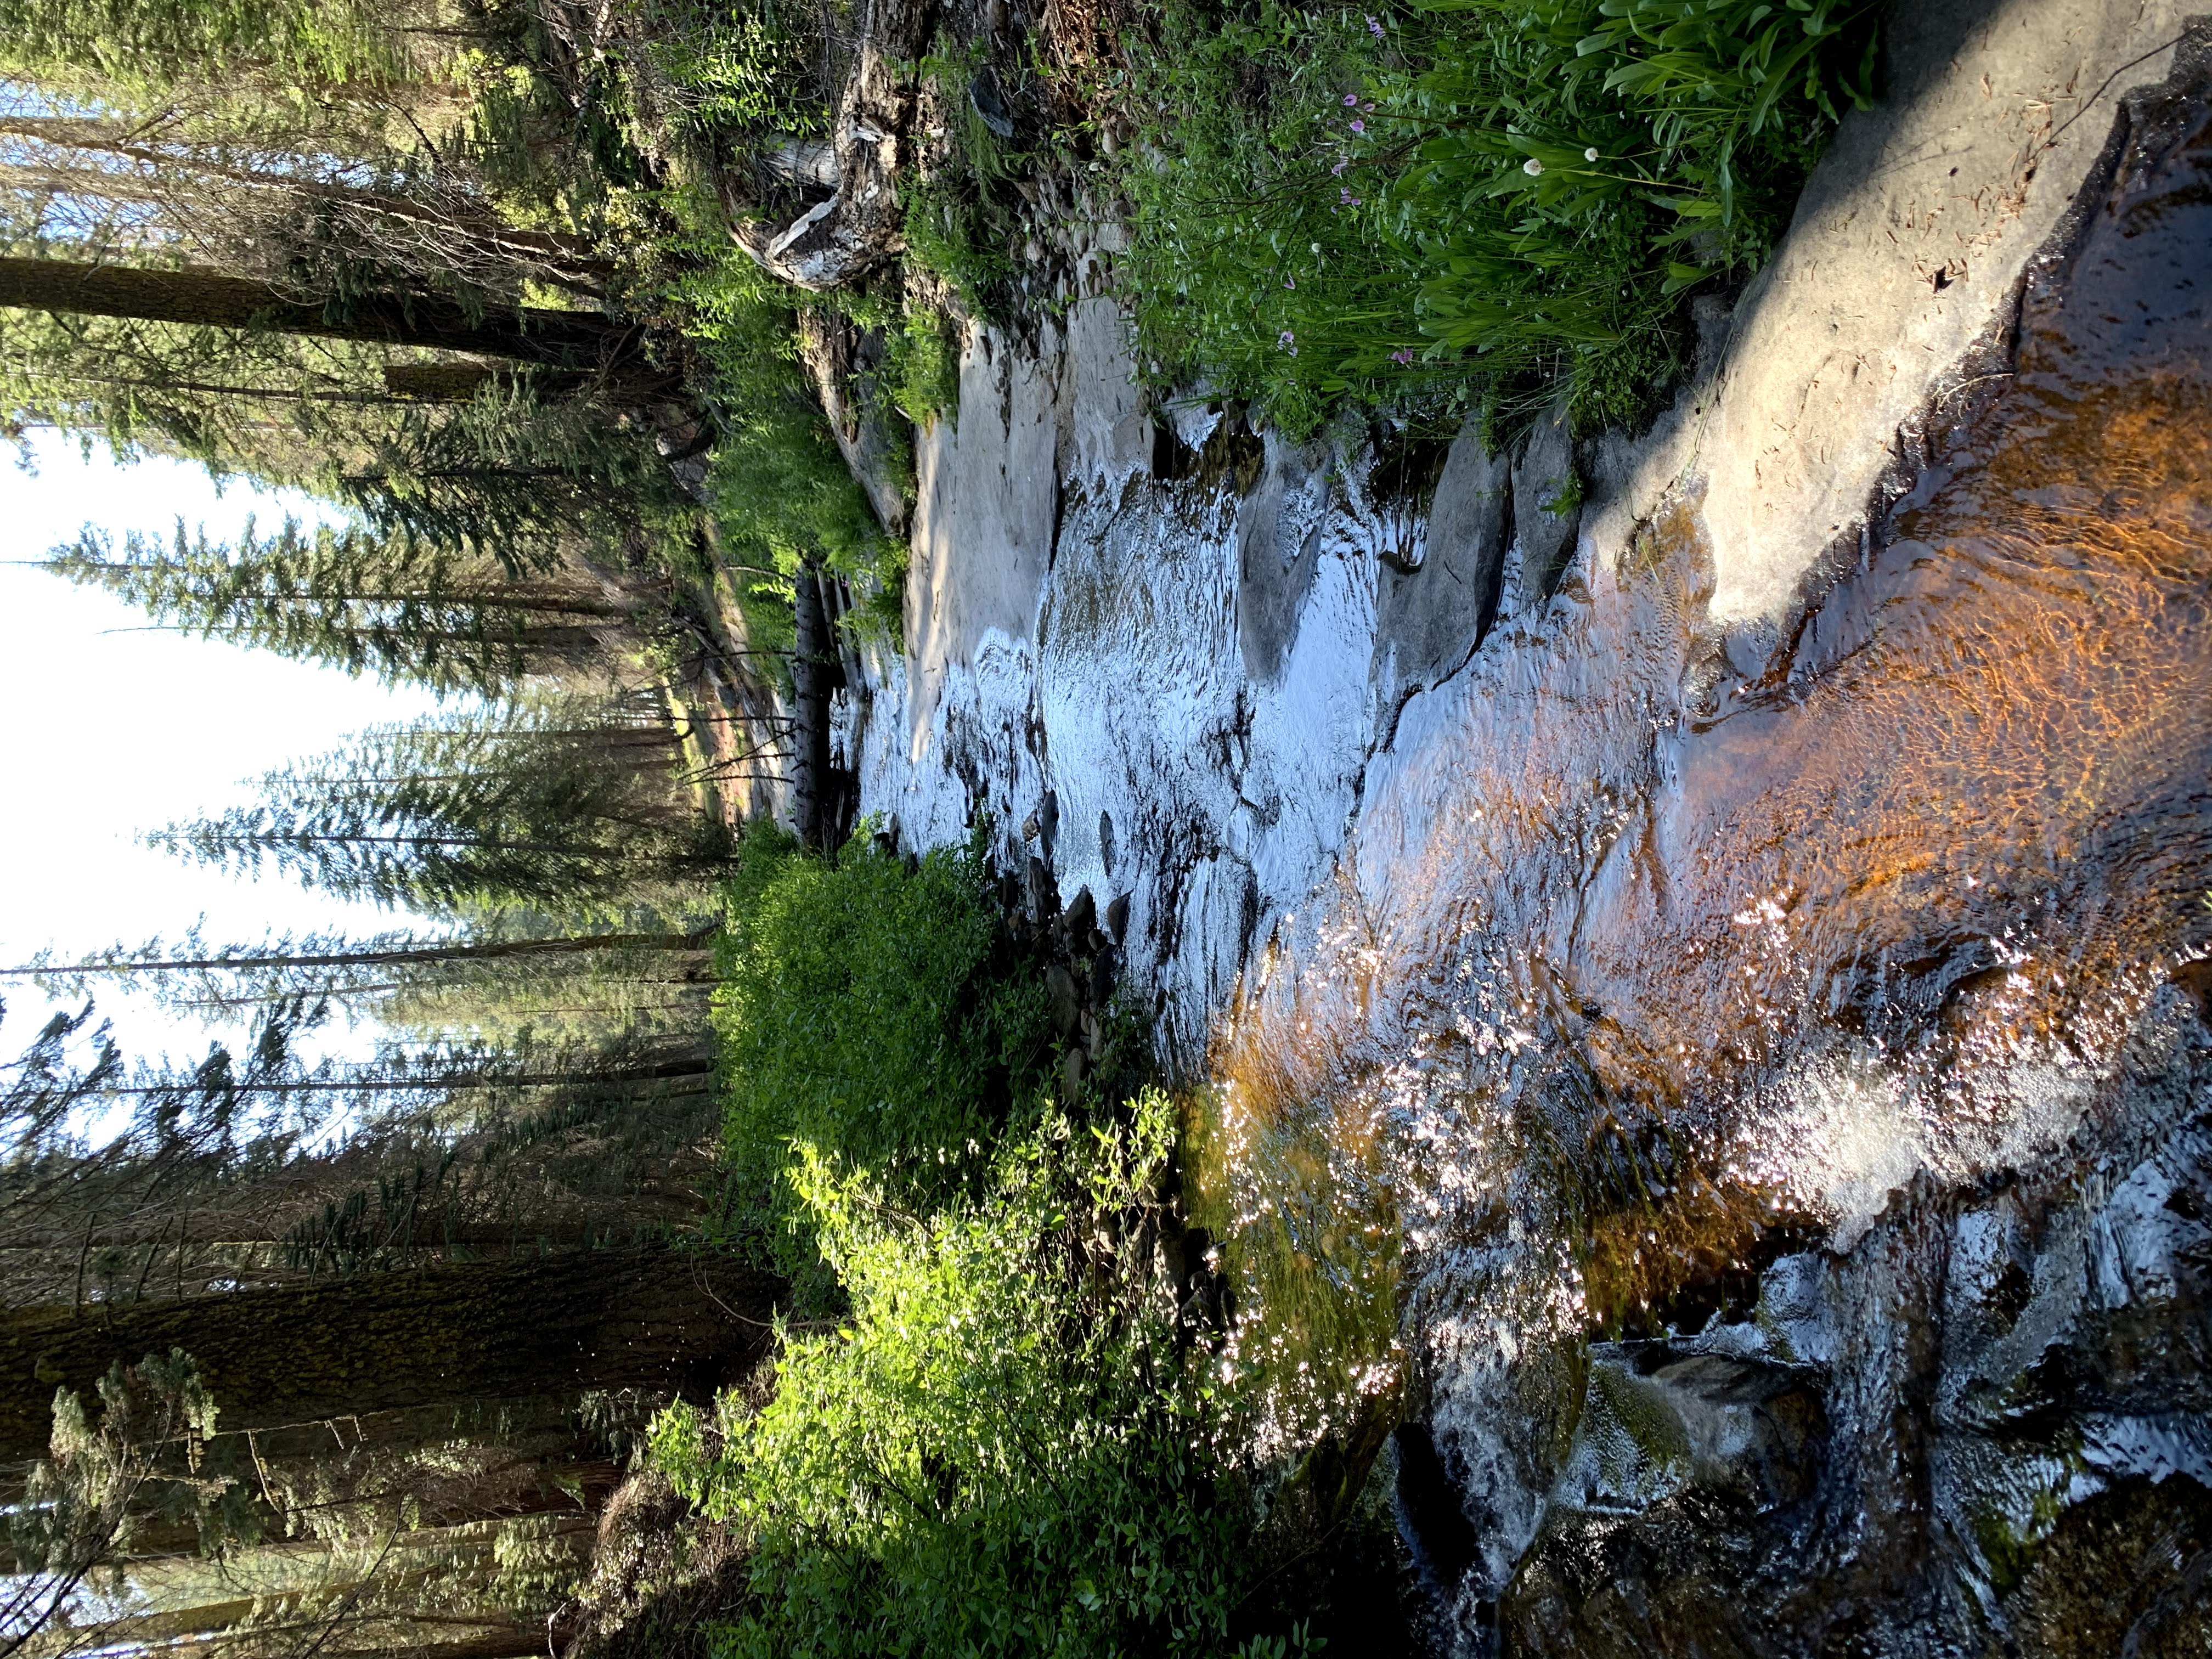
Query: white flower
x=1532 y=166
x=1590 y=155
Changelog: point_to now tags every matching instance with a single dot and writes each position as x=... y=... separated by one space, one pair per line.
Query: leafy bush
x=868 y=1027
x=783 y=497
x=992 y=1454
x=922 y=367
x=1507 y=192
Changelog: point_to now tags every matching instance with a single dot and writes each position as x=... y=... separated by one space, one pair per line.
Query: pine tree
x=387 y=603
x=548 y=807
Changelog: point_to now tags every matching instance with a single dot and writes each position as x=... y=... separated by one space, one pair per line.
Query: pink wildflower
x=1358 y=126
x=1352 y=100
x=1404 y=356
x=1374 y=29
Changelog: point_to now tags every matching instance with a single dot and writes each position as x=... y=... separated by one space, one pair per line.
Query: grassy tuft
x=1462 y=199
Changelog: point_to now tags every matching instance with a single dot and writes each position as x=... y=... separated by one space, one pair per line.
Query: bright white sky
x=107 y=730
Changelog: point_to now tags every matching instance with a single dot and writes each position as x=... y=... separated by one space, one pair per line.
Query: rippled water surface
x=1653 y=952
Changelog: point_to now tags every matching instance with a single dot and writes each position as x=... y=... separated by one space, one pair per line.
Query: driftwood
x=857 y=227
x=816 y=673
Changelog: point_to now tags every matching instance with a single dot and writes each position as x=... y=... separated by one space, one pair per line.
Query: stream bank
x=1724 y=955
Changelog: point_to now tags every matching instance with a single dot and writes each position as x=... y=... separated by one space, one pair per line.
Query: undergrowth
x=961 y=213
x=872 y=1026
x=709 y=81
x=997 y=1452
x=783 y=497
x=1454 y=199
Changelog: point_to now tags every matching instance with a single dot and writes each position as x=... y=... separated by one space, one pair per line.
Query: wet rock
x=1073 y=1070
x=1429 y=620
x=1946 y=1437
x=1278 y=528
x=1117 y=918
x=1436 y=1531
x=1043 y=893
x=1546 y=508
x=1082 y=914
x=1106 y=841
x=1102 y=979
x=1066 y=1008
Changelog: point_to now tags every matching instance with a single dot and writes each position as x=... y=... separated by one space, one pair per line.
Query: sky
x=109 y=728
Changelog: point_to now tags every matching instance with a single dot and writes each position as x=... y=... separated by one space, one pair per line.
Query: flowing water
x=1661 y=983
x=1649 y=965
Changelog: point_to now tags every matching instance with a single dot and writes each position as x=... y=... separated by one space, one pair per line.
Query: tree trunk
x=648 y=1318
x=559 y=339
x=816 y=670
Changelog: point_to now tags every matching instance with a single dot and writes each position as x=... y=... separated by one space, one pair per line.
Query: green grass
x=1427 y=205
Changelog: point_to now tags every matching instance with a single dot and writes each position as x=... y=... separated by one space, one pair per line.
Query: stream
x=1721 y=1114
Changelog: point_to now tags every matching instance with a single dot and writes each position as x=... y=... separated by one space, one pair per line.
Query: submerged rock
x=1918 y=1446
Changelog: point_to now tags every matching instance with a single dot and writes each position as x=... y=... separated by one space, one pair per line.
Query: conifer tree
x=389 y=604
x=544 y=807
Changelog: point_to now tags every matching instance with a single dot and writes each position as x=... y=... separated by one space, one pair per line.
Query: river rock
x=1082 y=912
x=1066 y=1008
x=1043 y=893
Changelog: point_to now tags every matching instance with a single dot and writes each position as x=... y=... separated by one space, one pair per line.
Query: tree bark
x=816 y=670
x=558 y=339
x=647 y=1318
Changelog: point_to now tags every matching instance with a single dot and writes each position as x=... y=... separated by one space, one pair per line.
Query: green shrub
x=866 y=1024
x=922 y=367
x=992 y=1454
x=783 y=496
x=1397 y=209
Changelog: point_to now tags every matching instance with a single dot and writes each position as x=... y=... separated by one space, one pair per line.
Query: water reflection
x=1649 y=960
